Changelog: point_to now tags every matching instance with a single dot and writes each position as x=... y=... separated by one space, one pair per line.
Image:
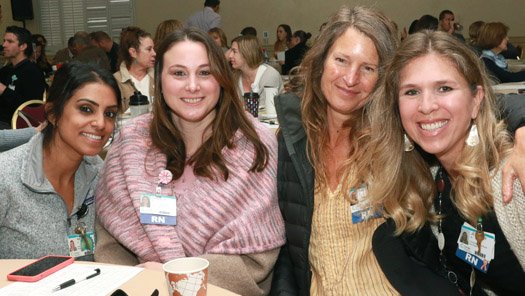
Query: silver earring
x=409 y=146
x=473 y=136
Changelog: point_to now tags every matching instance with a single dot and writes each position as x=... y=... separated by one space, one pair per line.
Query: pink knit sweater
x=237 y=216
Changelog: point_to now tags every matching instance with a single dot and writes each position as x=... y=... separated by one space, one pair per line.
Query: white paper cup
x=187 y=276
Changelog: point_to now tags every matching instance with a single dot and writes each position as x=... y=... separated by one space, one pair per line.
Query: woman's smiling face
x=437 y=105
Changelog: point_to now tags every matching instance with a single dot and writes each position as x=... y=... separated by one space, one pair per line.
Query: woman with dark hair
x=493 y=40
x=207 y=168
x=137 y=58
x=47 y=192
x=39 y=54
x=294 y=55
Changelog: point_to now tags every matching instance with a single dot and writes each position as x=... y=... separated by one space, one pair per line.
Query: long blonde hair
x=383 y=34
x=404 y=185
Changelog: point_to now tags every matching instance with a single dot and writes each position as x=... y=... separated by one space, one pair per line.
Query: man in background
x=65 y=54
x=103 y=41
x=20 y=80
x=447 y=24
x=88 y=53
x=206 y=18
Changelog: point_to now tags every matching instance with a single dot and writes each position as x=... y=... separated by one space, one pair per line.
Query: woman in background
x=294 y=55
x=137 y=59
x=47 y=192
x=199 y=147
x=218 y=36
x=166 y=27
x=284 y=36
x=437 y=95
x=492 y=39
x=246 y=58
x=39 y=54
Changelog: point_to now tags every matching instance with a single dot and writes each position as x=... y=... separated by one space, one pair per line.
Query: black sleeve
x=512 y=107
x=503 y=75
x=283 y=283
x=31 y=87
x=408 y=275
x=287 y=63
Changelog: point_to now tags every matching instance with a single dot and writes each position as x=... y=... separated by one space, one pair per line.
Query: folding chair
x=30 y=113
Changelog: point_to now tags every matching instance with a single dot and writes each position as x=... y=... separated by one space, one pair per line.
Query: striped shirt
x=340 y=253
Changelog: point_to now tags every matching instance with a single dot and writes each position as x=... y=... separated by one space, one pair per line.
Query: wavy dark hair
x=130 y=38
x=68 y=79
x=230 y=117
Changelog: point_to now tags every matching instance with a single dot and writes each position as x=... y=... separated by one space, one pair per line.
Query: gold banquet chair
x=30 y=113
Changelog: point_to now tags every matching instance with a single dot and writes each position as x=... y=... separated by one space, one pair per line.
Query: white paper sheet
x=111 y=277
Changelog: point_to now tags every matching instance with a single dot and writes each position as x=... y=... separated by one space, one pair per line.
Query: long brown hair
x=404 y=184
x=383 y=34
x=230 y=117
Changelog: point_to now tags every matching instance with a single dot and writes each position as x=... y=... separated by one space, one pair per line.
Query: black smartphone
x=40 y=268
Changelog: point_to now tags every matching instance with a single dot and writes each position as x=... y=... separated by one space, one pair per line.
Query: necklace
x=479 y=235
x=440 y=185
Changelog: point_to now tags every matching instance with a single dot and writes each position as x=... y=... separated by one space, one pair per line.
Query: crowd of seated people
x=286 y=212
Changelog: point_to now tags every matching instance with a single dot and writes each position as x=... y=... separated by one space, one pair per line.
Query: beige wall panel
x=307 y=15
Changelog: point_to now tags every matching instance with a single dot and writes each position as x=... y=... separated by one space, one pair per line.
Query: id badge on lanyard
x=476 y=247
x=81 y=243
x=157 y=208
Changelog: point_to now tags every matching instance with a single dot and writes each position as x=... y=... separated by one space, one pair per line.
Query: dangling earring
x=409 y=146
x=473 y=136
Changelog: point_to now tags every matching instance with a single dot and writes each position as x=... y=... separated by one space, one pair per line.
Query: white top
x=142 y=85
x=270 y=84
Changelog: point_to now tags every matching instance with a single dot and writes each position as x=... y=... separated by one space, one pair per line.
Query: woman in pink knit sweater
x=207 y=169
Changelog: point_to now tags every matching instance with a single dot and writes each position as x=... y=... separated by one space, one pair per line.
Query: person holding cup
x=208 y=169
x=246 y=58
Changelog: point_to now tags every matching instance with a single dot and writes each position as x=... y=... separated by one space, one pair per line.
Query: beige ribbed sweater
x=340 y=253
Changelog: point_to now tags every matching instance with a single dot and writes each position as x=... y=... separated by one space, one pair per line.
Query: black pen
x=71 y=282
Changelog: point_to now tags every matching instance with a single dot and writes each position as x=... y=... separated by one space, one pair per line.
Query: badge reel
x=157 y=208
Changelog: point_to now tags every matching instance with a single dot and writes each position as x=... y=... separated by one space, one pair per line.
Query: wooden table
x=142 y=284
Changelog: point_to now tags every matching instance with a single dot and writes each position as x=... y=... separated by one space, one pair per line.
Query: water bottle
x=138 y=104
x=265 y=55
x=251 y=101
